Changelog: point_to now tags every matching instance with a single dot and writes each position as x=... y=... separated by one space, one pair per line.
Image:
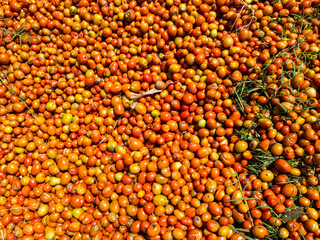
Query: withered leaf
x=294 y=214
x=136 y=96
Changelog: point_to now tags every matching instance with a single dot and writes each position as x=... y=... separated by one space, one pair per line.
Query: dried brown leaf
x=136 y=96
x=115 y=124
x=294 y=214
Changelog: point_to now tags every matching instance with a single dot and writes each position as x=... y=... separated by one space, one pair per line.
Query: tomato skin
x=119 y=109
x=283 y=233
x=313 y=194
x=135 y=144
x=18 y=107
x=260 y=231
x=136 y=119
x=82 y=58
x=276 y=149
x=241 y=146
x=282 y=166
x=281 y=179
x=4 y=59
x=89 y=81
x=311 y=225
x=272 y=201
x=227 y=158
x=289 y=190
x=215 y=209
x=6 y=219
x=77 y=201
x=195 y=235
x=237 y=237
x=266 y=176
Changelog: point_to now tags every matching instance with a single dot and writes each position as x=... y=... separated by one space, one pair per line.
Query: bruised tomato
x=227 y=158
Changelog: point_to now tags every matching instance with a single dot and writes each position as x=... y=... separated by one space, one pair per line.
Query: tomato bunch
x=175 y=119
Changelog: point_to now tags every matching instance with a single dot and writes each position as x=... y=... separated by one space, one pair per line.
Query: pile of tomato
x=159 y=119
